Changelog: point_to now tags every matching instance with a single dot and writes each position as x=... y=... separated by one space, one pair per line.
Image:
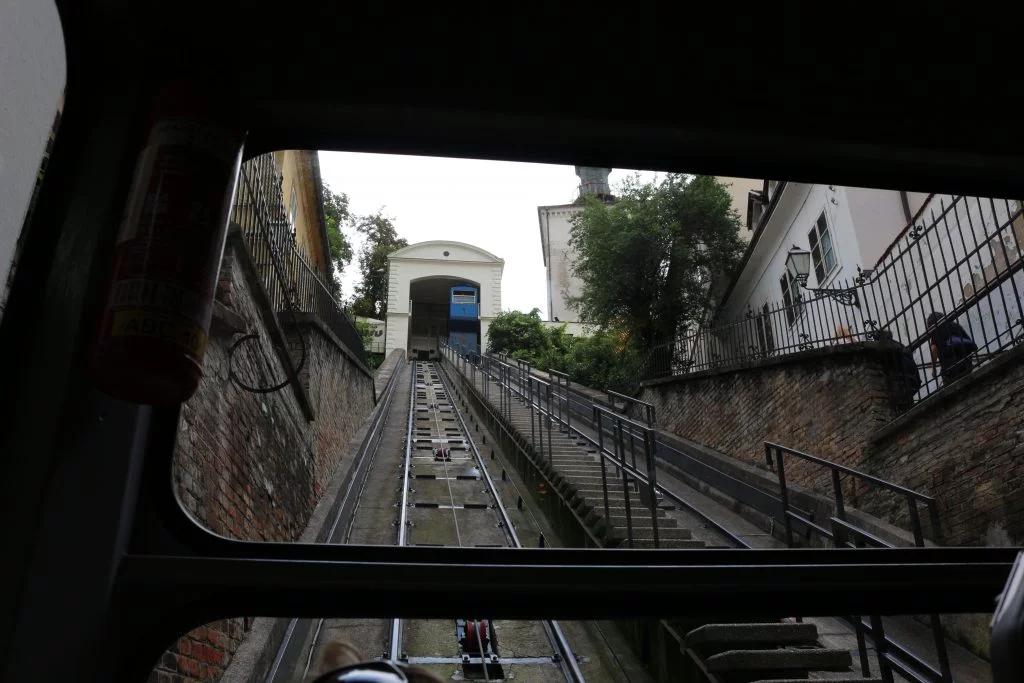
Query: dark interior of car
x=102 y=568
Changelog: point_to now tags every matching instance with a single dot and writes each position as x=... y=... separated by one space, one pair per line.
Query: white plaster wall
x=574 y=329
x=32 y=73
x=558 y=257
x=878 y=219
x=798 y=209
x=916 y=200
x=863 y=223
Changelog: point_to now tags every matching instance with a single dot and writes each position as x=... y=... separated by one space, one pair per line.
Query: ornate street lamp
x=798 y=264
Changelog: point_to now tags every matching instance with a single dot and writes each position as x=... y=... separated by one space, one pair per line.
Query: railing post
x=915 y=522
x=783 y=494
x=551 y=450
x=620 y=457
x=881 y=648
x=604 y=473
x=540 y=427
x=936 y=623
x=862 y=647
x=529 y=401
x=568 y=408
x=652 y=481
x=940 y=649
x=837 y=487
x=933 y=516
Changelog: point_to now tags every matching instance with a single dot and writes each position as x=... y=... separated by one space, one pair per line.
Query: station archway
x=420 y=280
x=431 y=313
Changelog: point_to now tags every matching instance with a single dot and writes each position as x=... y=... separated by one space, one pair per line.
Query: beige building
x=745 y=192
x=302 y=188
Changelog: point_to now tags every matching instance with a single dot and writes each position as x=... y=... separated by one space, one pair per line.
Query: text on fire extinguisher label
x=176 y=331
x=166 y=297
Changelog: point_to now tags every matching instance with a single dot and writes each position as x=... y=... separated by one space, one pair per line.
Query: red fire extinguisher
x=152 y=336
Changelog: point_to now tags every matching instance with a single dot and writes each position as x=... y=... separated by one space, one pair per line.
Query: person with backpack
x=907 y=379
x=951 y=346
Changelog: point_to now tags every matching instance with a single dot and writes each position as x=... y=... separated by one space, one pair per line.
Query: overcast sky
x=490 y=204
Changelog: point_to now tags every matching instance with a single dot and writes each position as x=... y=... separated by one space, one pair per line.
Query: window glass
x=822 y=253
x=32 y=73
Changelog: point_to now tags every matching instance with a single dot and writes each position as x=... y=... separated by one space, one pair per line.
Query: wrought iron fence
x=288 y=277
x=961 y=260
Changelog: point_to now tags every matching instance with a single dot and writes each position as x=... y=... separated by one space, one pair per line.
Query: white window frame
x=794 y=303
x=814 y=237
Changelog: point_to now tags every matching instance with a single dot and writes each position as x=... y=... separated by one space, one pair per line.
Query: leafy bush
x=608 y=359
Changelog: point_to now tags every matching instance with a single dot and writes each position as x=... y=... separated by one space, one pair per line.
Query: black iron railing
x=628 y=453
x=964 y=260
x=844 y=533
x=287 y=275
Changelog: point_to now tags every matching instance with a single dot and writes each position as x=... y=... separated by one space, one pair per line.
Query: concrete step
x=663 y=544
x=644 y=522
x=647 y=532
x=635 y=509
x=844 y=679
x=583 y=471
x=719 y=637
x=582 y=464
x=595 y=499
x=752 y=665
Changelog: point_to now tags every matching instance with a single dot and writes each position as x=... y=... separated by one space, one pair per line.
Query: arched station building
x=441 y=289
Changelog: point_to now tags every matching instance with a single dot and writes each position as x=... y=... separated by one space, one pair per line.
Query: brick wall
x=965 y=446
x=253 y=466
x=827 y=402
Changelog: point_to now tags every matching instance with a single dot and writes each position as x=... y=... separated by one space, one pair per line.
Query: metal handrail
x=506 y=371
x=647 y=407
x=849 y=470
x=285 y=272
x=891 y=655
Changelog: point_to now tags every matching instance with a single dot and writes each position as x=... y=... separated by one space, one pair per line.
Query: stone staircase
x=754 y=652
x=727 y=653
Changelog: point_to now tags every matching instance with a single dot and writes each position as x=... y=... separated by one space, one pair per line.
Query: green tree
x=608 y=359
x=521 y=335
x=381 y=239
x=365 y=333
x=336 y=213
x=647 y=259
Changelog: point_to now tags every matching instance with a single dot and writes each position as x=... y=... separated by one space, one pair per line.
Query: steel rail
x=395 y=637
x=287 y=649
x=569 y=664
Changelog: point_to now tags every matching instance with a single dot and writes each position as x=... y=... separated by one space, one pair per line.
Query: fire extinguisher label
x=171 y=237
x=160 y=295
x=176 y=331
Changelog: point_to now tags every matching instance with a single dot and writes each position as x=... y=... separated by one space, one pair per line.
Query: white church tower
x=555 y=226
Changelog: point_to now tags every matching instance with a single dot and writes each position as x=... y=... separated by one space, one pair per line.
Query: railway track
x=426 y=483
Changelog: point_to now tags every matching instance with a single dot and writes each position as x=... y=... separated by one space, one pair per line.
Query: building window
x=791 y=297
x=755 y=208
x=292 y=210
x=463 y=296
x=822 y=253
x=765 y=338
